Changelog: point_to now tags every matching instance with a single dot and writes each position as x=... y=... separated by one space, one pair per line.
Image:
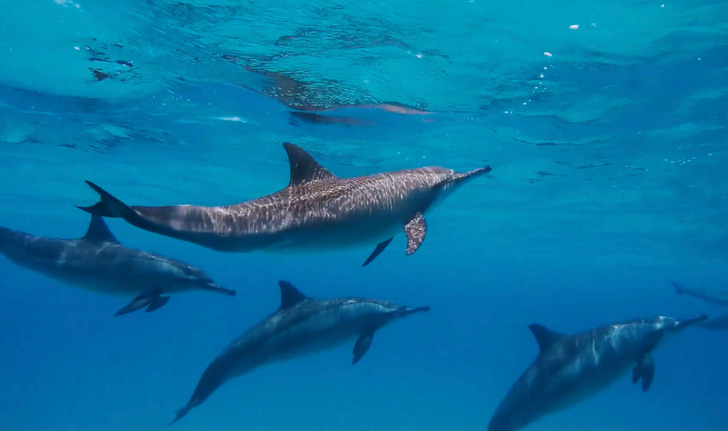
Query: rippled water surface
x=604 y=123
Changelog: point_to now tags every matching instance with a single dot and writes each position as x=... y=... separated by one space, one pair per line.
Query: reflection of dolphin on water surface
x=98 y=262
x=316 y=210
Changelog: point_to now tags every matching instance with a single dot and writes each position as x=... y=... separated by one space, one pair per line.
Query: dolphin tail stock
x=679 y=290
x=108 y=206
x=693 y=321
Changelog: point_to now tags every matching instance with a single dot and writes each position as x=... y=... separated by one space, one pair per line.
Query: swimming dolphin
x=301 y=326
x=98 y=262
x=719 y=323
x=315 y=210
x=719 y=298
x=570 y=368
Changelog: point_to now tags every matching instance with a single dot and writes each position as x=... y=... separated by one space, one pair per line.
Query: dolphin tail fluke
x=679 y=290
x=99 y=209
x=108 y=206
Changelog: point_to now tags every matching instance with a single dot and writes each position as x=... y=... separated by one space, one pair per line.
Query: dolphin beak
x=406 y=311
x=687 y=322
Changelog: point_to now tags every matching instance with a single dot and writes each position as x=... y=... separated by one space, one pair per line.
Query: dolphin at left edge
x=99 y=263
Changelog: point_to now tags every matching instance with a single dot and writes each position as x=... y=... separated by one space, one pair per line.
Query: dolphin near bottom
x=571 y=368
x=98 y=262
x=301 y=326
x=317 y=210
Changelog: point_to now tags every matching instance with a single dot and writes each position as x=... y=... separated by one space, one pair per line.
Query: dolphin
x=301 y=326
x=571 y=368
x=719 y=323
x=315 y=210
x=98 y=262
x=719 y=298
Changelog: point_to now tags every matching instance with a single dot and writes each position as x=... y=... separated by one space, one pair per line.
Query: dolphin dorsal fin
x=304 y=169
x=544 y=336
x=290 y=296
x=98 y=231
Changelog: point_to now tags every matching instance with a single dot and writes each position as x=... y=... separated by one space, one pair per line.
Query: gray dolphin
x=571 y=368
x=301 y=326
x=718 y=298
x=315 y=210
x=98 y=262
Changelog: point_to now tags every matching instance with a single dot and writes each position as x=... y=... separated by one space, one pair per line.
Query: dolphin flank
x=301 y=326
x=571 y=368
x=316 y=210
x=98 y=262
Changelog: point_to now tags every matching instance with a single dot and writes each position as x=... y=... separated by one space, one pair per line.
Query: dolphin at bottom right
x=571 y=368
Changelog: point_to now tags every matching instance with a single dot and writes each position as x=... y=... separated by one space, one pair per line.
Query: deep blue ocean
x=605 y=124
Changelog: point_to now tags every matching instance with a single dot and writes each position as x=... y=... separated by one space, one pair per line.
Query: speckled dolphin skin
x=571 y=368
x=98 y=262
x=316 y=210
x=301 y=326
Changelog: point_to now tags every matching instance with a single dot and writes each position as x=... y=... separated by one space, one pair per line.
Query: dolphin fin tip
x=179 y=414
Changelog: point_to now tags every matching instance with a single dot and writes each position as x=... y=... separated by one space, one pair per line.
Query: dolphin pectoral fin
x=644 y=370
x=416 y=229
x=180 y=414
x=362 y=346
x=378 y=250
x=137 y=303
x=152 y=301
x=157 y=302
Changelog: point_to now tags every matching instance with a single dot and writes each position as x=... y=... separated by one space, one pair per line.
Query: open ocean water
x=605 y=124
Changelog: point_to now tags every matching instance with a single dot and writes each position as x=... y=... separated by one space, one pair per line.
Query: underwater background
x=604 y=123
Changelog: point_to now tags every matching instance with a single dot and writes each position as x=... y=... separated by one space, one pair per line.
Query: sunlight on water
x=604 y=125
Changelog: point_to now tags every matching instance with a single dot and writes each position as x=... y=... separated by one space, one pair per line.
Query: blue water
x=607 y=144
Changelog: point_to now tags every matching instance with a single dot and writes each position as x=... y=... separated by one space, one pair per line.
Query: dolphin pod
x=98 y=262
x=300 y=326
x=316 y=210
x=571 y=368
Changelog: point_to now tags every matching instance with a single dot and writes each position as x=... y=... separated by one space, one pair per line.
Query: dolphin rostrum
x=315 y=210
x=570 y=368
x=301 y=326
x=98 y=262
x=719 y=323
x=718 y=298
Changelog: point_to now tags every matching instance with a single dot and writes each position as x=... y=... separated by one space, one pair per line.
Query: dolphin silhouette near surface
x=98 y=262
x=718 y=298
x=571 y=368
x=301 y=326
x=316 y=210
